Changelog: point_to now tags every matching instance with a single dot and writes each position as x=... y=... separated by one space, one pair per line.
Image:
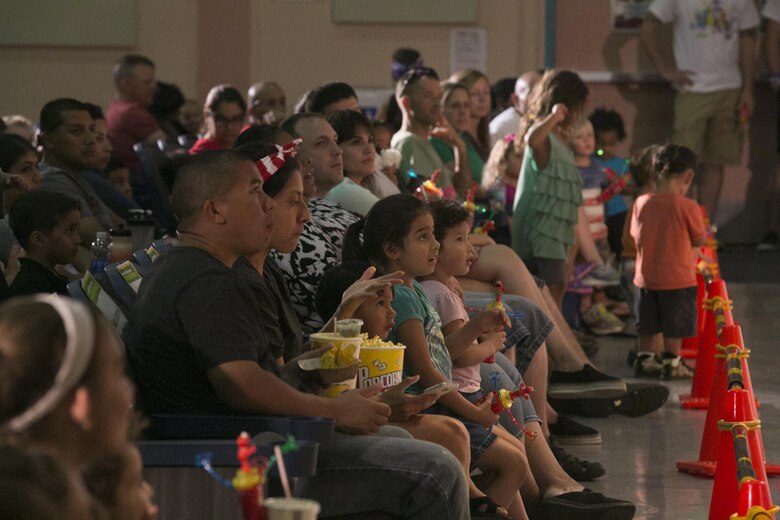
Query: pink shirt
x=450 y=308
x=128 y=123
x=665 y=227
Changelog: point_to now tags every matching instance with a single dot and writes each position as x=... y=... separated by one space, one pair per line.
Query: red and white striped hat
x=270 y=164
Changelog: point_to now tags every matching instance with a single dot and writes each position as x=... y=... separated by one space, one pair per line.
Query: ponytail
x=352 y=248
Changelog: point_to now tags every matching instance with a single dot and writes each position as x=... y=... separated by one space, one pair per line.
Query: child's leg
x=447 y=432
x=654 y=344
x=507 y=463
x=672 y=345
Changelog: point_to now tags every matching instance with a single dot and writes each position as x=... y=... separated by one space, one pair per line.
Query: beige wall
x=197 y=44
x=298 y=46
x=165 y=32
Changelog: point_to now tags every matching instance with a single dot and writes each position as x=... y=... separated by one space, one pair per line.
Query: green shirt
x=445 y=151
x=546 y=204
x=413 y=304
x=418 y=156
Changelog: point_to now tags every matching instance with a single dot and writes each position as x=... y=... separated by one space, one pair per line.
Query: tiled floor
x=640 y=453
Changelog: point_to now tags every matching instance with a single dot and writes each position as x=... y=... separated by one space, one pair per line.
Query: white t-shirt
x=507 y=122
x=706 y=38
x=771 y=10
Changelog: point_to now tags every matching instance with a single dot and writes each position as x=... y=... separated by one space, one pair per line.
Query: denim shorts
x=508 y=377
x=480 y=438
x=530 y=327
x=672 y=312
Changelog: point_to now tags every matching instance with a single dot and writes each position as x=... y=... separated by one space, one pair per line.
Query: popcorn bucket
x=380 y=366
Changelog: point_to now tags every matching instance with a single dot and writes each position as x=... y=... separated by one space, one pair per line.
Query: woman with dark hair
x=224 y=111
x=168 y=99
x=359 y=156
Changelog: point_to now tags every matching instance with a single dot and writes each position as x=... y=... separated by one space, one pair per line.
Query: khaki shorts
x=708 y=124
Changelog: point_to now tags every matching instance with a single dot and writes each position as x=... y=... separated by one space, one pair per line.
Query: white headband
x=79 y=346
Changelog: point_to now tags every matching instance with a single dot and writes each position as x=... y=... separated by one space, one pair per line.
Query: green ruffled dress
x=546 y=204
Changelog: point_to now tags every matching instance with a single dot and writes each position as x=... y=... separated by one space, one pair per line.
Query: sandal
x=484 y=507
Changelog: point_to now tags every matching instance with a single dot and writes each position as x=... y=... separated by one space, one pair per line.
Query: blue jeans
x=509 y=378
x=527 y=333
x=403 y=477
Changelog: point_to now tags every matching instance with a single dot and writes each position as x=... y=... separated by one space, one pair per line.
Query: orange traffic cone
x=717 y=313
x=690 y=346
x=754 y=501
x=725 y=490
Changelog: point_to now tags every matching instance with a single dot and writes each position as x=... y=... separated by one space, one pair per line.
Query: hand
x=366 y=288
x=357 y=412
x=444 y=131
x=746 y=103
x=485 y=416
x=677 y=77
x=491 y=320
x=403 y=405
x=559 y=112
x=11 y=180
x=304 y=380
x=13 y=267
x=495 y=340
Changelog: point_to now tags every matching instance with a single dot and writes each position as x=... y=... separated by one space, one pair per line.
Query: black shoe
x=581 y=470
x=641 y=399
x=569 y=431
x=631 y=358
x=587 y=383
x=587 y=505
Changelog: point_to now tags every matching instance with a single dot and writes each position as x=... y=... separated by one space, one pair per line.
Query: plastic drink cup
x=291 y=509
x=349 y=328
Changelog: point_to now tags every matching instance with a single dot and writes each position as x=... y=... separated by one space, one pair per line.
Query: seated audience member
x=168 y=99
x=95 y=175
x=18 y=158
x=501 y=95
x=329 y=98
x=128 y=118
x=418 y=93
x=37 y=486
x=456 y=107
x=64 y=389
x=197 y=346
x=46 y=226
x=320 y=243
x=191 y=118
x=117 y=482
x=480 y=101
x=67 y=135
x=118 y=176
x=267 y=103
x=358 y=155
x=224 y=113
x=508 y=121
x=403 y=60
x=19 y=125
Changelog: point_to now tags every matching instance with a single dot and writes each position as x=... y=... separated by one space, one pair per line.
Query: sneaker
x=569 y=431
x=603 y=275
x=674 y=367
x=602 y=322
x=580 y=470
x=647 y=364
x=587 y=505
x=640 y=399
x=631 y=358
x=587 y=383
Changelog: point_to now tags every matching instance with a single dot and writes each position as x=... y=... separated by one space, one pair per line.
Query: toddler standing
x=666 y=226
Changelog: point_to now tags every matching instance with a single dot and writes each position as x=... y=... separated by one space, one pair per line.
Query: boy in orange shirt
x=666 y=226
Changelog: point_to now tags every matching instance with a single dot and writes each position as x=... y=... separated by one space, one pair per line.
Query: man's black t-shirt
x=192 y=314
x=35 y=278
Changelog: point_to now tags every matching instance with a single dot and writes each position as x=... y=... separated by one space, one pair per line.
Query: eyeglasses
x=411 y=77
x=226 y=121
